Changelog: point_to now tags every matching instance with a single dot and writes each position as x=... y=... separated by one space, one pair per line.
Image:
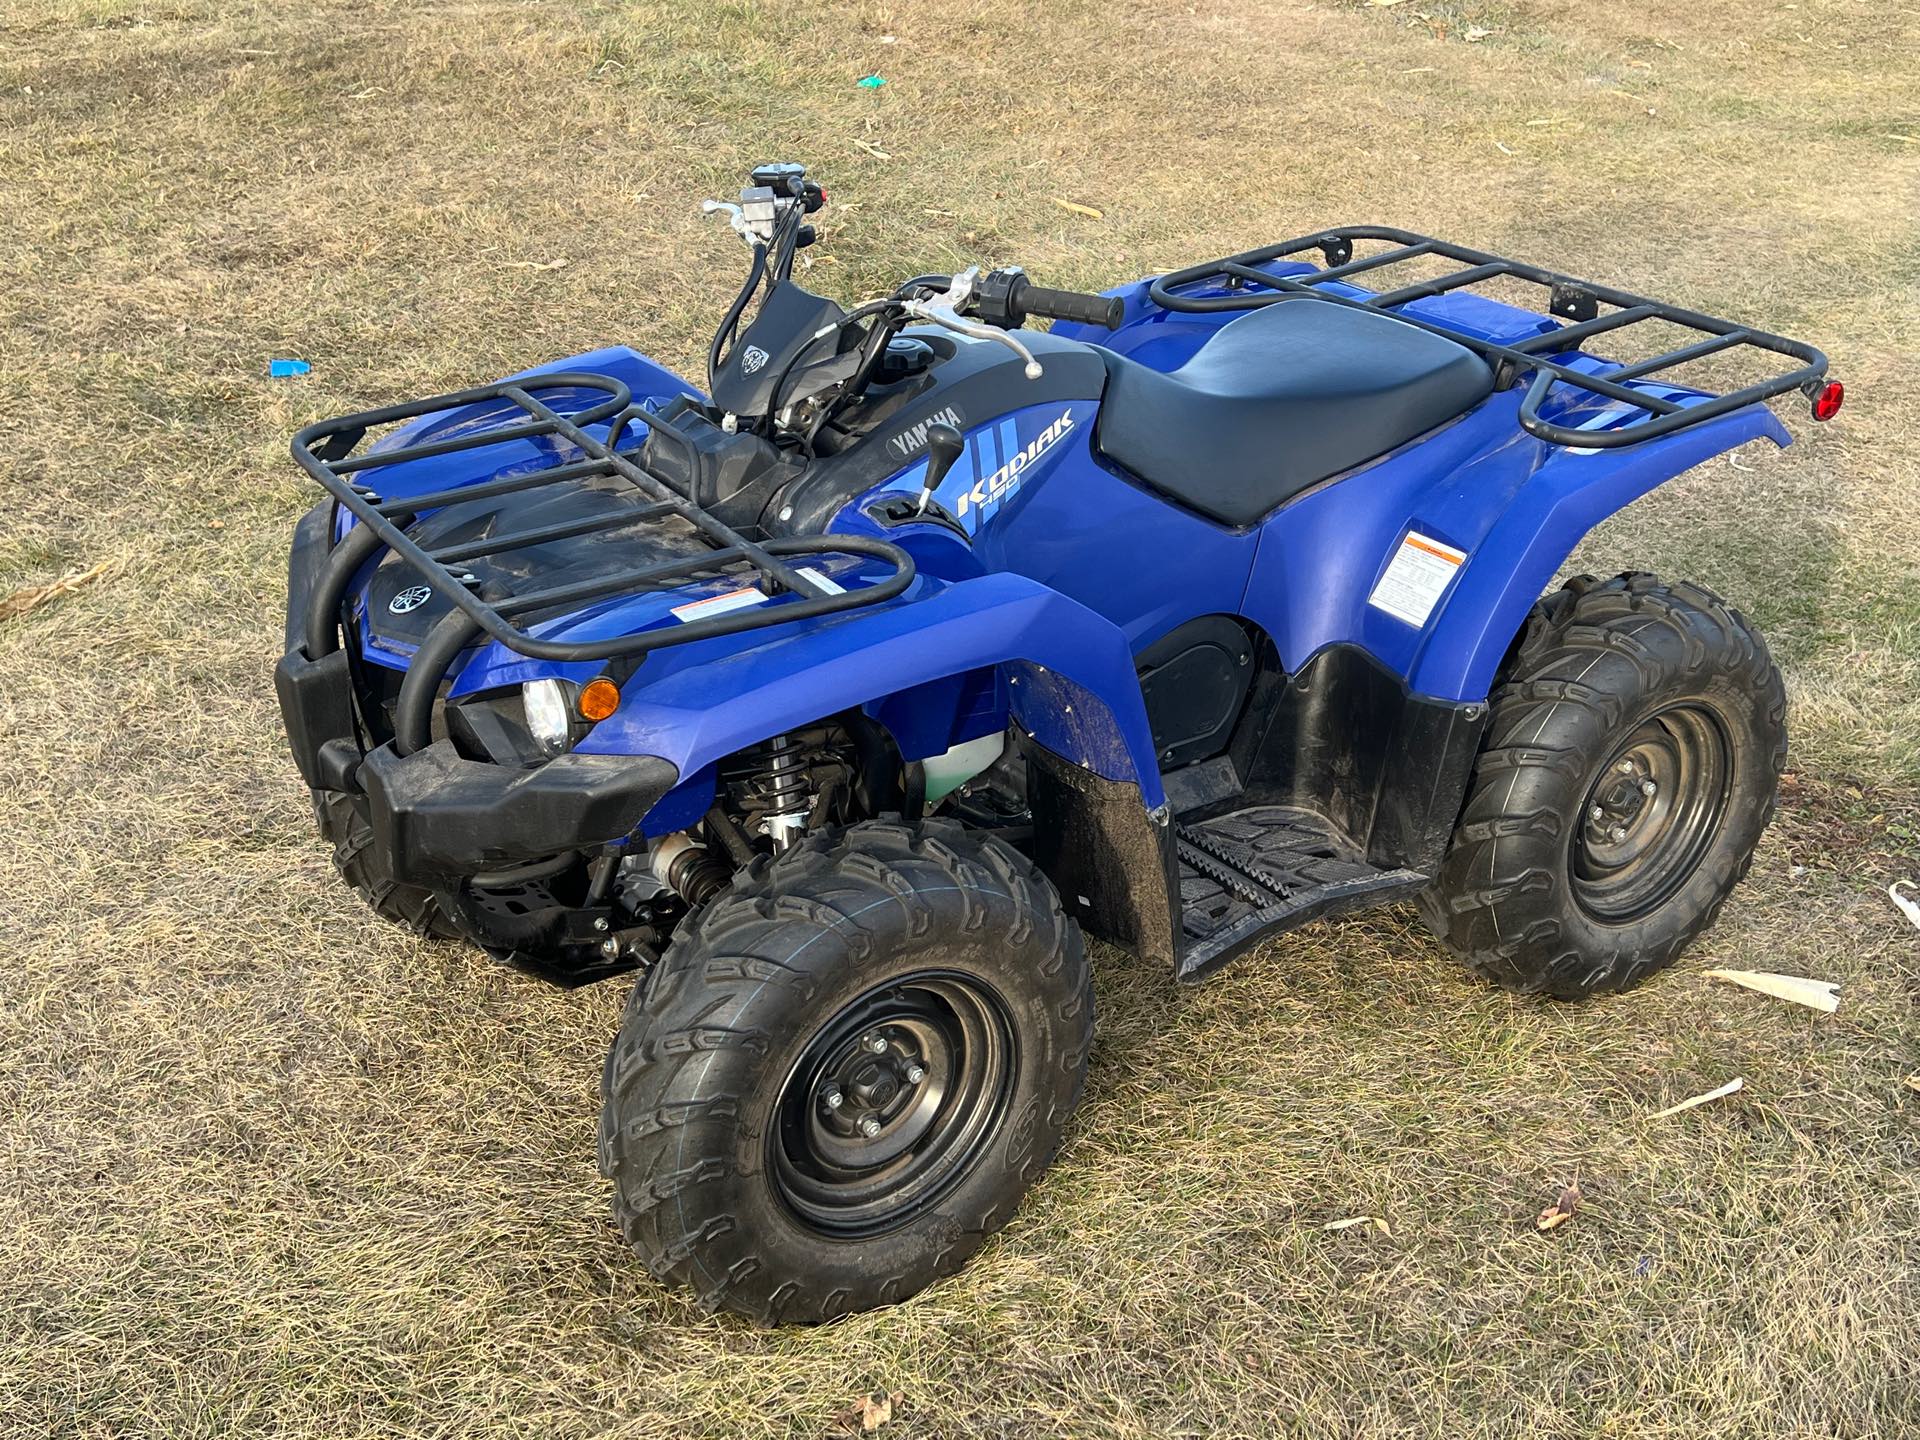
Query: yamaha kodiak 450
x=840 y=699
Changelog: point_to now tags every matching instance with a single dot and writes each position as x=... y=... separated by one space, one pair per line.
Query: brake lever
x=736 y=217
x=942 y=310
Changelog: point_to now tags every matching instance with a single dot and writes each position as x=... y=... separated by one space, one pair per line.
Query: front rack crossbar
x=326 y=451
x=1548 y=358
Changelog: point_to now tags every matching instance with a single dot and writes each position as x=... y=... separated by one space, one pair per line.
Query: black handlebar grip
x=1030 y=299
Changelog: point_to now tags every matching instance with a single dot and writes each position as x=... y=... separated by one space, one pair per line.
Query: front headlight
x=549 y=711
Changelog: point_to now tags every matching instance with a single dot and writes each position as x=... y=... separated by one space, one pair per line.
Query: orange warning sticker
x=1418 y=576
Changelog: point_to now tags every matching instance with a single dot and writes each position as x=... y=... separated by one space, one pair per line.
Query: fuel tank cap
x=905 y=355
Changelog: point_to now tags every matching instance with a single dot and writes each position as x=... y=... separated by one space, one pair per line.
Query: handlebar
x=1027 y=299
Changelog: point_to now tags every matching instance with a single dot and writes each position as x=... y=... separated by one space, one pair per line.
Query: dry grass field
x=268 y=1167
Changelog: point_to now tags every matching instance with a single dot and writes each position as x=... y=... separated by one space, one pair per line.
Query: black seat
x=1279 y=400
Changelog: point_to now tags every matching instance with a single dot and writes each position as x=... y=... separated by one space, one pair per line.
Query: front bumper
x=438 y=817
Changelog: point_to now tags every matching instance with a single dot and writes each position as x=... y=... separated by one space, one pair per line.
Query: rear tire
x=343 y=827
x=1630 y=766
x=925 y=976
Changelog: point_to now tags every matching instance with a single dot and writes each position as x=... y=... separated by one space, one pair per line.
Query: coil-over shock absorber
x=786 y=791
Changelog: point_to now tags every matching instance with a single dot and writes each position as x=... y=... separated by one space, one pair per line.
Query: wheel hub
x=1651 y=814
x=876 y=1081
x=891 y=1101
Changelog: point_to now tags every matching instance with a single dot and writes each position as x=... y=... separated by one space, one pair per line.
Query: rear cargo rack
x=1546 y=356
x=326 y=451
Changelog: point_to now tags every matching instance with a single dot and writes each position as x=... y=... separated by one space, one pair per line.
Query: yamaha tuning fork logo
x=411 y=598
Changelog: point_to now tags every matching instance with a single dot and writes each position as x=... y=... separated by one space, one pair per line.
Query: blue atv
x=841 y=700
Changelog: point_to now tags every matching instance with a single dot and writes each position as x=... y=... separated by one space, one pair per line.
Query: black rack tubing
x=506 y=485
x=413 y=710
x=384 y=525
x=1667 y=416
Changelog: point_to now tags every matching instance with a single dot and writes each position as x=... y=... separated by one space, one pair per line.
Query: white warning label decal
x=717 y=605
x=1422 y=569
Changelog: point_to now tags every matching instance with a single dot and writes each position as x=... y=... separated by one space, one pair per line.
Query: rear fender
x=1514 y=505
x=1571 y=492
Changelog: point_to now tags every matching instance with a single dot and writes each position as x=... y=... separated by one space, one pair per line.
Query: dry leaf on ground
x=1352 y=1220
x=1561 y=1210
x=868 y=1413
x=21 y=601
x=1822 y=995
x=1725 y=1090
x=1907 y=904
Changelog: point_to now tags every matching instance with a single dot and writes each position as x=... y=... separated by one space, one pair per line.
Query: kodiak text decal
x=993 y=487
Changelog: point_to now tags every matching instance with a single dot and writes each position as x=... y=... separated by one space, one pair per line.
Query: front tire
x=345 y=828
x=846 y=1071
x=1630 y=765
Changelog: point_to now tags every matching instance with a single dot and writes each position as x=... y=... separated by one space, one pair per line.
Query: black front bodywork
x=439 y=818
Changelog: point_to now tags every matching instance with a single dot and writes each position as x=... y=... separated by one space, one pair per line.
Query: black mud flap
x=1112 y=860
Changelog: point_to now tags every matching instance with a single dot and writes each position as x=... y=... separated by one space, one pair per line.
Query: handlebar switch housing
x=996 y=298
x=788 y=181
x=783 y=177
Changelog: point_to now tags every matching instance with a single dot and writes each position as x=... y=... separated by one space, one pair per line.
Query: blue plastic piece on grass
x=871 y=82
x=284 y=369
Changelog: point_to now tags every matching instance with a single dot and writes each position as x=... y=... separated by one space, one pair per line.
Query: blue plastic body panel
x=1071 y=568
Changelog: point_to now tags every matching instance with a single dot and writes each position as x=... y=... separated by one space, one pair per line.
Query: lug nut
x=1598 y=813
x=869 y=1127
x=916 y=1073
x=833 y=1099
x=877 y=1044
x=1619 y=832
x=1626 y=767
x=1647 y=787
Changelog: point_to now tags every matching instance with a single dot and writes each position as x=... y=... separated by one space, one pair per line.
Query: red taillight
x=1826 y=404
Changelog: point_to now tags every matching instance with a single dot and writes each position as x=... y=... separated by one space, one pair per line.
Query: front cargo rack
x=326 y=450
x=1574 y=301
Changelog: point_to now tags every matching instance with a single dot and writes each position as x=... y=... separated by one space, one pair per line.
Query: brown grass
x=272 y=1168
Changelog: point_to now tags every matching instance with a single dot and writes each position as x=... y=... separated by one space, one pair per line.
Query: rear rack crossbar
x=1576 y=301
x=326 y=452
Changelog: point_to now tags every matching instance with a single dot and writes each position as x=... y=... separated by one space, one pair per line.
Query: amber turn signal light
x=599 y=699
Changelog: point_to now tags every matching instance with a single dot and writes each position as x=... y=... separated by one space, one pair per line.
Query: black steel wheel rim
x=1652 y=813
x=892 y=1102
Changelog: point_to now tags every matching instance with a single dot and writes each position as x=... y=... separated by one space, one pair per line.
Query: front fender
x=1069 y=677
